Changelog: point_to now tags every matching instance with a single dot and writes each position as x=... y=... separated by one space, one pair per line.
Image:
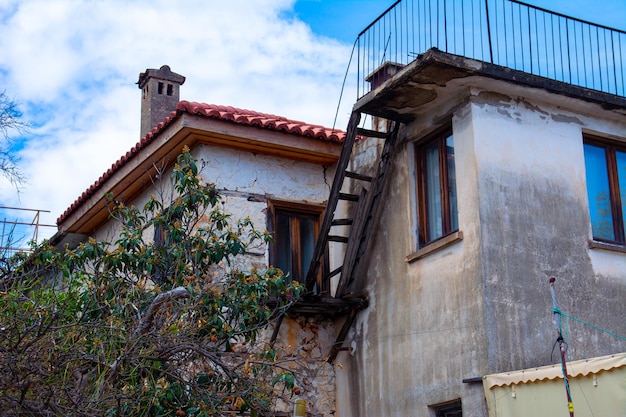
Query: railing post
x=489 y=31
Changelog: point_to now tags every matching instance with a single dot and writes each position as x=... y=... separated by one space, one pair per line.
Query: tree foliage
x=157 y=323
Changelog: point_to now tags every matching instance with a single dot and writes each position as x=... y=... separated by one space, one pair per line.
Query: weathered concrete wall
x=535 y=224
x=422 y=333
x=482 y=304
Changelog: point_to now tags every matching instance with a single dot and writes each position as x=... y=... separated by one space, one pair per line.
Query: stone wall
x=308 y=341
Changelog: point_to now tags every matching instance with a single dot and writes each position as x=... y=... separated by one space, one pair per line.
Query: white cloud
x=74 y=65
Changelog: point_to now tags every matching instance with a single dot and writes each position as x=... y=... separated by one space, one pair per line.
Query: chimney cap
x=164 y=73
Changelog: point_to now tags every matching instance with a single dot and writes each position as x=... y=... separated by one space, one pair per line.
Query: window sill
x=614 y=247
x=435 y=246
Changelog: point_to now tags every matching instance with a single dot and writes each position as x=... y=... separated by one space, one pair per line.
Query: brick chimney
x=160 y=93
x=377 y=78
x=381 y=74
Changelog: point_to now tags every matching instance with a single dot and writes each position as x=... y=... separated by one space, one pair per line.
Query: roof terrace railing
x=508 y=33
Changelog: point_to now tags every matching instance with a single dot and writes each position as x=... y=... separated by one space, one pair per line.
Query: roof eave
x=130 y=178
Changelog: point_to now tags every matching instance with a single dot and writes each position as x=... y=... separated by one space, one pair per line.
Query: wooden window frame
x=439 y=136
x=616 y=204
x=296 y=210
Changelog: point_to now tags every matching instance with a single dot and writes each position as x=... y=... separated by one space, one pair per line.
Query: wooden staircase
x=367 y=210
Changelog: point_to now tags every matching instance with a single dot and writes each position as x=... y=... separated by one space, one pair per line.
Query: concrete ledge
x=426 y=79
x=435 y=246
x=594 y=244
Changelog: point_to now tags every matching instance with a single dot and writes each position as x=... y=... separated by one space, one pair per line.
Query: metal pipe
x=559 y=329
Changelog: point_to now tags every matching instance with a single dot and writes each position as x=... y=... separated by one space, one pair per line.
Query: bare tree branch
x=10 y=122
x=145 y=324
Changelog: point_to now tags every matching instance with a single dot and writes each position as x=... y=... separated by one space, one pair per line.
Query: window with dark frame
x=295 y=228
x=452 y=409
x=605 y=166
x=436 y=187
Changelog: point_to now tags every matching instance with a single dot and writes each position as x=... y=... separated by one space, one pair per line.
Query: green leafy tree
x=146 y=326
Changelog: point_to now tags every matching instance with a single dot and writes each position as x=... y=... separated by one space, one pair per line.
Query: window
x=606 y=189
x=436 y=187
x=452 y=409
x=295 y=228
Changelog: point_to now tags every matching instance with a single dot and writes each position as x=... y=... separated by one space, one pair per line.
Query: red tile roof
x=223 y=113
x=263 y=120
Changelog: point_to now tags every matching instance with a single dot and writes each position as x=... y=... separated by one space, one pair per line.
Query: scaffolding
x=17 y=233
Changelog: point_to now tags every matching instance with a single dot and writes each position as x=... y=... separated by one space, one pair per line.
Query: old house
x=495 y=161
x=490 y=157
x=272 y=169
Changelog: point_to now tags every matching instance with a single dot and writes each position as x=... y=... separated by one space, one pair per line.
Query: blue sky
x=339 y=19
x=345 y=19
x=73 y=64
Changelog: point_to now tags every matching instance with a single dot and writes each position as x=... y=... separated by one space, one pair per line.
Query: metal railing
x=508 y=33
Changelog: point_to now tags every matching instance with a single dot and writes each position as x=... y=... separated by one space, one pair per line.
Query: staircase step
x=334 y=272
x=342 y=239
x=348 y=197
x=371 y=133
x=342 y=222
x=356 y=176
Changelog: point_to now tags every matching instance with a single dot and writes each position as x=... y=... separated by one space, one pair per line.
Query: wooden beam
x=360 y=177
x=348 y=197
x=372 y=133
x=341 y=337
x=334 y=272
x=327 y=306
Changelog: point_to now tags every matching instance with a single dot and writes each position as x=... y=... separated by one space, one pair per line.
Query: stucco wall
x=246 y=181
x=535 y=224
x=421 y=334
x=483 y=304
